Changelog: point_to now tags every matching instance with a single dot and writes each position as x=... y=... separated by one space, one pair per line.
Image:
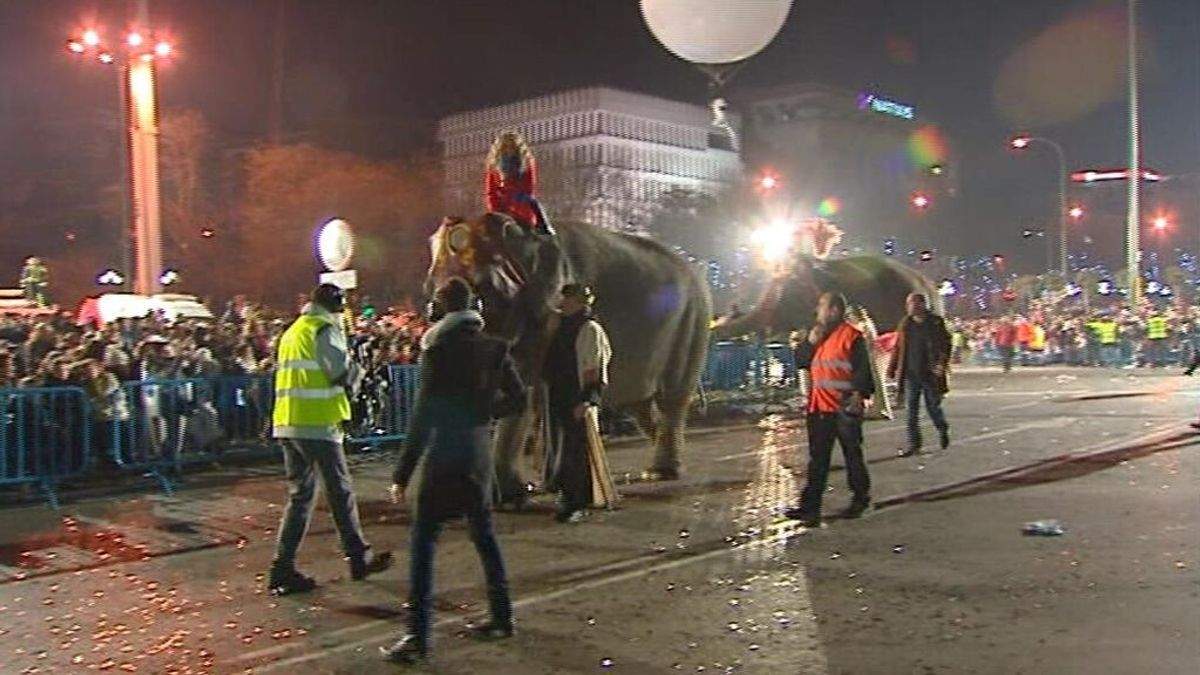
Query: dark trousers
x=305 y=461
x=571 y=475
x=1006 y=357
x=425 y=532
x=823 y=430
x=914 y=391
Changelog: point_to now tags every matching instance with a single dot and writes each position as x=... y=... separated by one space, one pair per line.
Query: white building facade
x=604 y=155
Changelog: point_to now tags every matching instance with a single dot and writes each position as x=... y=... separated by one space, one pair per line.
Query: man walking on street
x=919 y=363
x=310 y=406
x=1005 y=338
x=467 y=379
x=576 y=374
x=836 y=356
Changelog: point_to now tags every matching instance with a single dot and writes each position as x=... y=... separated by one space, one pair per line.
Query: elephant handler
x=576 y=373
x=310 y=406
x=836 y=355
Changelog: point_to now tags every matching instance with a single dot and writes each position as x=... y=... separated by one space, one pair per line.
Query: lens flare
x=829 y=207
x=926 y=147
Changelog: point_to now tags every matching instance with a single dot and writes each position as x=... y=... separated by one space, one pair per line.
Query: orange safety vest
x=832 y=373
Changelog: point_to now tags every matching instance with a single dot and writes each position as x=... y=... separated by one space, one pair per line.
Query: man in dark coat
x=920 y=363
x=466 y=380
x=576 y=373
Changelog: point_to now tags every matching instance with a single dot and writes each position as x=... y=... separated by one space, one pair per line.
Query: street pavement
x=696 y=575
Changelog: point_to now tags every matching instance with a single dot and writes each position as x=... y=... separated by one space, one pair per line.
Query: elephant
x=877 y=284
x=654 y=307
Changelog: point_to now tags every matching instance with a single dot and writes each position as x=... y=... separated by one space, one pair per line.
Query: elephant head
x=515 y=272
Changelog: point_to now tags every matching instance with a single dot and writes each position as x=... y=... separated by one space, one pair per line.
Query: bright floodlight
x=105 y=57
x=335 y=245
x=1020 y=142
x=774 y=240
x=75 y=46
x=1076 y=212
x=91 y=38
x=1161 y=223
x=163 y=49
x=168 y=277
x=133 y=39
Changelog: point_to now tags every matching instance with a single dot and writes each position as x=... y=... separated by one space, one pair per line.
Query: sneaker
x=855 y=510
x=406 y=650
x=288 y=582
x=944 y=438
x=656 y=475
x=804 y=517
x=569 y=516
x=369 y=563
x=492 y=631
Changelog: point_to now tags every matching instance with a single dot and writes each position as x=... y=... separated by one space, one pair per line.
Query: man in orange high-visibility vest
x=836 y=356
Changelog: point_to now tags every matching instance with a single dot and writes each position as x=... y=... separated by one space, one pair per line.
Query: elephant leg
x=669 y=442
x=646 y=418
x=511 y=433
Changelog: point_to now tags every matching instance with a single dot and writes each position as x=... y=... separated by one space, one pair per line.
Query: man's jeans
x=424 y=542
x=914 y=391
x=305 y=460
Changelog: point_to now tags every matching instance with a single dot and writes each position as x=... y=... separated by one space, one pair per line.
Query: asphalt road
x=697 y=575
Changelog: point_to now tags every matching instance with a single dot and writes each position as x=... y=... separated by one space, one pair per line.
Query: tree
x=185 y=148
x=291 y=190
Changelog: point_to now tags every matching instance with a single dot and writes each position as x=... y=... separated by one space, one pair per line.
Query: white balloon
x=715 y=31
x=335 y=245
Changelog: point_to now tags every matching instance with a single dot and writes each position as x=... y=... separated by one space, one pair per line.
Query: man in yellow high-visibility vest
x=1157 y=335
x=313 y=370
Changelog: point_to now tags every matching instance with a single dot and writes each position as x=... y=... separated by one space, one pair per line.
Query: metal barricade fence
x=394 y=410
x=45 y=436
x=738 y=364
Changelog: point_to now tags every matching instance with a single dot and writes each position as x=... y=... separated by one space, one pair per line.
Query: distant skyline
x=386 y=70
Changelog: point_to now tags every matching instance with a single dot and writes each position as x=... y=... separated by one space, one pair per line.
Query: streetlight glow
x=75 y=46
x=1076 y=212
x=1020 y=142
x=134 y=39
x=163 y=49
x=920 y=201
x=91 y=38
x=105 y=57
x=1161 y=223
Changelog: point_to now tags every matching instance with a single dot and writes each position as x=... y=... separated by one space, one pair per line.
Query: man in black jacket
x=920 y=363
x=466 y=380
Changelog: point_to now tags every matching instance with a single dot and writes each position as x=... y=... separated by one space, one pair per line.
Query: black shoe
x=1195 y=425
x=288 y=582
x=515 y=502
x=492 y=631
x=660 y=474
x=804 y=517
x=569 y=516
x=369 y=563
x=855 y=510
x=407 y=650
x=908 y=452
x=944 y=438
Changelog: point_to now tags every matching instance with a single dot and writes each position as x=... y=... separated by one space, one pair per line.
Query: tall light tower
x=136 y=57
x=1023 y=141
x=1133 y=216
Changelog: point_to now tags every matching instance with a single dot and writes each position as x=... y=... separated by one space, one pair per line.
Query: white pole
x=1133 y=215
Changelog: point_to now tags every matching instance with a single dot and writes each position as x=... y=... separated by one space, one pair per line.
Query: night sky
x=388 y=68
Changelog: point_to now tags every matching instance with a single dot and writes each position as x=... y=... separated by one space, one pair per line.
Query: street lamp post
x=1133 y=216
x=140 y=110
x=1024 y=141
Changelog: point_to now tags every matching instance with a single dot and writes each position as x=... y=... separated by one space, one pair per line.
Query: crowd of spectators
x=1116 y=337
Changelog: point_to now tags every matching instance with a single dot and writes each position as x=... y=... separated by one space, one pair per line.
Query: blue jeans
x=307 y=460
x=914 y=391
x=424 y=543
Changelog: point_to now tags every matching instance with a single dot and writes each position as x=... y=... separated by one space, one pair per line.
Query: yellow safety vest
x=1106 y=331
x=304 y=396
x=1156 y=328
x=1038 y=342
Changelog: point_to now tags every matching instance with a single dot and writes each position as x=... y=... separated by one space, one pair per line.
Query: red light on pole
x=1020 y=142
x=1076 y=212
x=919 y=201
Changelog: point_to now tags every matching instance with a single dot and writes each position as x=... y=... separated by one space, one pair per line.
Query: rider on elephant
x=510 y=181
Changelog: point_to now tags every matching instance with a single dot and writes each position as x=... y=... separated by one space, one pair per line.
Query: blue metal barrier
x=45 y=436
x=393 y=419
x=738 y=364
